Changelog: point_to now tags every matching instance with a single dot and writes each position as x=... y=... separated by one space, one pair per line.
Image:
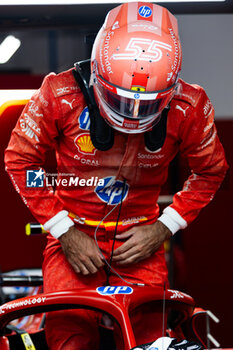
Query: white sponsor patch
x=66 y=90
x=29 y=128
x=182 y=110
x=34 y=109
x=21 y=303
x=175 y=294
x=68 y=103
x=207 y=107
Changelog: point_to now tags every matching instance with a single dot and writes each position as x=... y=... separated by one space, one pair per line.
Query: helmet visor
x=133 y=104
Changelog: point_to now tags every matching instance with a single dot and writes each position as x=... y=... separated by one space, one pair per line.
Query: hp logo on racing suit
x=111 y=191
x=84 y=119
x=145 y=11
x=110 y=290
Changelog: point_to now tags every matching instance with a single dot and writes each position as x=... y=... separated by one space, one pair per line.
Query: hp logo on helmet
x=145 y=11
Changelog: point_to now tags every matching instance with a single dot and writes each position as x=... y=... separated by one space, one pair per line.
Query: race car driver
x=112 y=156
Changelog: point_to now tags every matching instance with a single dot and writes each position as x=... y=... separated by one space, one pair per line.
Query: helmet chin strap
x=102 y=135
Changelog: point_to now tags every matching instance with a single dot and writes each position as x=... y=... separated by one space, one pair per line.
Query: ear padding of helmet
x=102 y=135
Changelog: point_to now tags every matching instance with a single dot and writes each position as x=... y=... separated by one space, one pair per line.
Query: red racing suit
x=90 y=181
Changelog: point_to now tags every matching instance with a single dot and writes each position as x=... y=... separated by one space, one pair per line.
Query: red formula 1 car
x=115 y=302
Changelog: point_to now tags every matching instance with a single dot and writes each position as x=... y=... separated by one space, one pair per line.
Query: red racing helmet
x=135 y=62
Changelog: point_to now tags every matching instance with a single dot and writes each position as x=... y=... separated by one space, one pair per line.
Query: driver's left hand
x=141 y=242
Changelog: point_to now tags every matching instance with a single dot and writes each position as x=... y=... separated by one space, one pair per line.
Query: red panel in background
x=17 y=249
x=20 y=81
x=207 y=246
